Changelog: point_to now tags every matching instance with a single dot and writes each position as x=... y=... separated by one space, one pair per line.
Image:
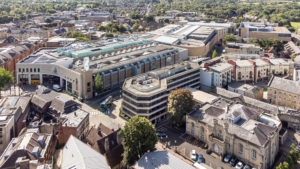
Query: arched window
x=241 y=148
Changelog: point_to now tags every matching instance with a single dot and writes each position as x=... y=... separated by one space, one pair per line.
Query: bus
x=106 y=104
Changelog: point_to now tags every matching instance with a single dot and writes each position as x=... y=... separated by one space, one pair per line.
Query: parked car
x=233 y=161
x=194 y=155
x=227 y=158
x=200 y=158
x=298 y=132
x=239 y=165
x=56 y=88
x=161 y=134
x=247 y=167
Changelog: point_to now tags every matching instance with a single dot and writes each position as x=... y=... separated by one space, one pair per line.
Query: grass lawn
x=296 y=25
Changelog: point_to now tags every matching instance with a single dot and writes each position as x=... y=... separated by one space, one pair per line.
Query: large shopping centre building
x=75 y=66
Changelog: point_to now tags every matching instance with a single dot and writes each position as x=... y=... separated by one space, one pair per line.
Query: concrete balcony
x=146 y=108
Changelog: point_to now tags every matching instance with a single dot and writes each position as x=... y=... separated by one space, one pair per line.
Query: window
x=30 y=69
x=241 y=148
x=34 y=70
x=38 y=69
x=220 y=134
x=27 y=70
x=192 y=129
x=253 y=154
x=19 y=69
x=88 y=87
x=228 y=145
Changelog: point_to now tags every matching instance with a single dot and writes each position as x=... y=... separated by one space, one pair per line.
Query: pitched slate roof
x=161 y=160
x=76 y=154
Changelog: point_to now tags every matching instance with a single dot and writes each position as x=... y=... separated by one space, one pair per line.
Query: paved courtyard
x=184 y=147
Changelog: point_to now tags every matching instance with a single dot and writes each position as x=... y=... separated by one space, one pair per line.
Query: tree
x=285 y=165
x=109 y=35
x=297 y=43
x=122 y=13
x=290 y=162
x=101 y=28
x=280 y=166
x=180 y=103
x=121 y=28
x=214 y=54
x=136 y=26
x=5 y=79
x=98 y=83
x=138 y=137
x=48 y=20
x=166 y=20
x=292 y=57
x=229 y=38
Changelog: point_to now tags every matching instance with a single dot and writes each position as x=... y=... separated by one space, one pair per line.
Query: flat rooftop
x=260 y=62
x=73 y=119
x=201 y=96
x=243 y=63
x=220 y=67
x=156 y=81
x=102 y=62
x=278 y=62
x=185 y=35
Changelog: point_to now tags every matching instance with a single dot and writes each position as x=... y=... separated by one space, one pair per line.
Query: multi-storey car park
x=146 y=95
x=75 y=66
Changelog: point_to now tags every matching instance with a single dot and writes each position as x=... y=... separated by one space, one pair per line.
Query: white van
x=56 y=88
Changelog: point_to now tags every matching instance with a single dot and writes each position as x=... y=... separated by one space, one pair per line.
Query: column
x=80 y=87
x=41 y=79
x=29 y=78
x=61 y=81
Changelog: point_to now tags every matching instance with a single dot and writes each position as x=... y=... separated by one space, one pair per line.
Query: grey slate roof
x=250 y=101
x=281 y=84
x=161 y=160
x=76 y=154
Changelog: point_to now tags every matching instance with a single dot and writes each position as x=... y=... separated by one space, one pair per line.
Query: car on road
x=161 y=134
x=233 y=161
x=247 y=167
x=200 y=158
x=193 y=155
x=239 y=165
x=227 y=158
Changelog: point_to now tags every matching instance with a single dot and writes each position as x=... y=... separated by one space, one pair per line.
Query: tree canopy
x=180 y=103
x=214 y=54
x=229 y=38
x=138 y=137
x=98 y=83
x=5 y=78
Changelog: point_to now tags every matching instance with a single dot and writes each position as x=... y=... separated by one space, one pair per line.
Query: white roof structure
x=76 y=154
x=166 y=40
x=161 y=160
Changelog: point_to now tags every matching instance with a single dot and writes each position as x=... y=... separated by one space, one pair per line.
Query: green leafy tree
x=122 y=13
x=214 y=54
x=136 y=26
x=109 y=35
x=83 y=38
x=98 y=83
x=285 y=165
x=138 y=137
x=48 y=20
x=294 y=153
x=166 y=20
x=180 y=103
x=101 y=28
x=121 y=28
x=5 y=79
x=290 y=162
x=229 y=38
x=297 y=43
x=280 y=166
x=292 y=57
